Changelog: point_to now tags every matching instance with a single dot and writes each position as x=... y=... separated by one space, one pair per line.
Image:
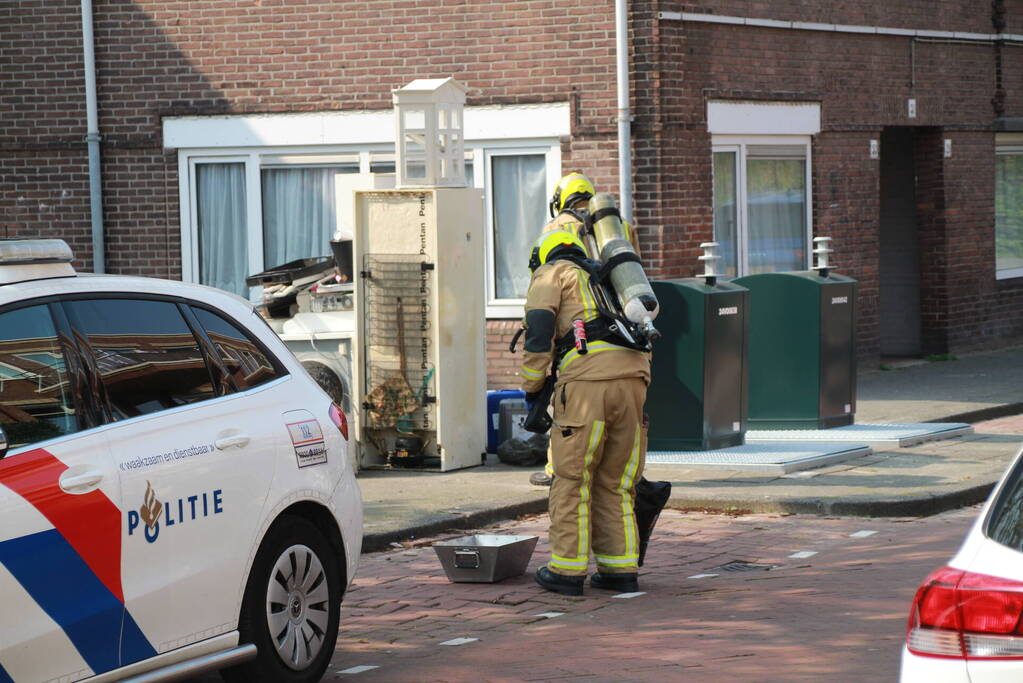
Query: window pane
x=1008 y=211
x=223 y=243
x=299 y=212
x=245 y=362
x=145 y=353
x=776 y=200
x=1005 y=524
x=35 y=400
x=520 y=206
x=725 y=206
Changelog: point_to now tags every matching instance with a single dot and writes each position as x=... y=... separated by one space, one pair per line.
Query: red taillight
x=337 y=416
x=936 y=599
x=966 y=615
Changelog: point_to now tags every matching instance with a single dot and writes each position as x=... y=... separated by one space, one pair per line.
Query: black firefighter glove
x=538 y=420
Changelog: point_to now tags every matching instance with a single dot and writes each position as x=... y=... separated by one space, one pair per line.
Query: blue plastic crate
x=494 y=401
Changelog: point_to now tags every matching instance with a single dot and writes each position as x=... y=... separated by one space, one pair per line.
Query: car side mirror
x=3 y=442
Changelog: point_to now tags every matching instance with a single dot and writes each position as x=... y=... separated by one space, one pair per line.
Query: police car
x=175 y=491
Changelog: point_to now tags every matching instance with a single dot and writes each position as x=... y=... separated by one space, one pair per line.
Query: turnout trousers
x=598 y=449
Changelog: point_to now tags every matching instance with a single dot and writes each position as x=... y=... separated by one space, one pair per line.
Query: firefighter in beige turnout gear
x=596 y=439
x=571 y=195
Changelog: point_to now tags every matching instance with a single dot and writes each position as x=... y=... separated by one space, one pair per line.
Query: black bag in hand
x=651 y=497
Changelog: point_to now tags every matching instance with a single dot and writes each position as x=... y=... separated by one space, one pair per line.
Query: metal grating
x=767 y=458
x=894 y=434
x=399 y=377
x=743 y=566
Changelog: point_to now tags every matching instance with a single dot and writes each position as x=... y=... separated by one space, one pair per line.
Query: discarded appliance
x=485 y=558
x=418 y=250
x=309 y=304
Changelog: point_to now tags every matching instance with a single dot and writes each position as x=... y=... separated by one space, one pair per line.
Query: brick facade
x=192 y=57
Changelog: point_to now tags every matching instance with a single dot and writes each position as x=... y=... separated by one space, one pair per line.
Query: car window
x=1005 y=521
x=145 y=354
x=246 y=362
x=35 y=392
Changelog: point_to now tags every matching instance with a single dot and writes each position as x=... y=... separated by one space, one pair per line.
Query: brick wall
x=934 y=262
x=862 y=84
x=202 y=57
x=982 y=312
x=847 y=208
x=502 y=366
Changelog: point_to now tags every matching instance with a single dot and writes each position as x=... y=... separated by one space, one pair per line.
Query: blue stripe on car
x=57 y=578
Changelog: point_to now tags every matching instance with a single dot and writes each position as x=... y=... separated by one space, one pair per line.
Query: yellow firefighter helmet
x=550 y=243
x=573 y=186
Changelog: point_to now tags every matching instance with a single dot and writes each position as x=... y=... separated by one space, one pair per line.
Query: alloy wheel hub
x=297 y=606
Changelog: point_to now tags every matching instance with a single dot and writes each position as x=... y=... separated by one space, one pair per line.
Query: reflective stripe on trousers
x=597 y=457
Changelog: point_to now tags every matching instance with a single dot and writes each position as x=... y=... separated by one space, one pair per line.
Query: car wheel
x=328 y=381
x=292 y=606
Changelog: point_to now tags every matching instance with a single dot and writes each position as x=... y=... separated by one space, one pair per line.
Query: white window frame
x=319 y=138
x=1006 y=144
x=739 y=144
x=508 y=308
x=255 y=160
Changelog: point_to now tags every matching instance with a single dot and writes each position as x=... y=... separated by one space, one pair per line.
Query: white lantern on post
x=430 y=141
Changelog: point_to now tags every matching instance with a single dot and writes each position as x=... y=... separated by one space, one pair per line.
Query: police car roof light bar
x=32 y=252
x=27 y=260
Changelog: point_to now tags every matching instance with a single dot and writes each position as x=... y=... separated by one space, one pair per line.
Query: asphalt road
x=829 y=603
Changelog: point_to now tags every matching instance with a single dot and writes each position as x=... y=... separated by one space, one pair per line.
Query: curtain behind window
x=520 y=205
x=776 y=200
x=725 y=207
x=223 y=246
x=1008 y=211
x=299 y=213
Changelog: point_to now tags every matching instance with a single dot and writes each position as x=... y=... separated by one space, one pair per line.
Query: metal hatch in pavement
x=901 y=435
x=768 y=458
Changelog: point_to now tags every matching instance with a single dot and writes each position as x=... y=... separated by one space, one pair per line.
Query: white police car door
x=61 y=594
x=196 y=458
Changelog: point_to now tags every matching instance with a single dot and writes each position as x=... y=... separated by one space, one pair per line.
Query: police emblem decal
x=151 y=507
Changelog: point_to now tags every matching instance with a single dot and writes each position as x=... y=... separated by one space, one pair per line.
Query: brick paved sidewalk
x=833 y=607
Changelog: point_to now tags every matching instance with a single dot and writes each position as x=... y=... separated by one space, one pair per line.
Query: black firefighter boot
x=559 y=583
x=622 y=583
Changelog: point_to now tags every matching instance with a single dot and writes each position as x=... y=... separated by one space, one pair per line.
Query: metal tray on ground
x=485 y=558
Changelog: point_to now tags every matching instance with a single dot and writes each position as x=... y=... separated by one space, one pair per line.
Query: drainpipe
x=624 y=115
x=92 y=138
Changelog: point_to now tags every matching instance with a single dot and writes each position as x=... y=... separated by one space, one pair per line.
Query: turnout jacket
x=559 y=293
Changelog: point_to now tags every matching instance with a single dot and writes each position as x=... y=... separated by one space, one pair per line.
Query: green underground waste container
x=697 y=394
x=802 y=351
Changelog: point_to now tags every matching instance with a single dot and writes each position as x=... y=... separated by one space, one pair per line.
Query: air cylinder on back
x=628 y=279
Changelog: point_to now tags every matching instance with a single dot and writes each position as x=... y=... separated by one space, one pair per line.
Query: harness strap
x=606 y=211
x=596 y=330
x=617 y=259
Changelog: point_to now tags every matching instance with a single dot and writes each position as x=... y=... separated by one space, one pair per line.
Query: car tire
x=328 y=381
x=291 y=609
